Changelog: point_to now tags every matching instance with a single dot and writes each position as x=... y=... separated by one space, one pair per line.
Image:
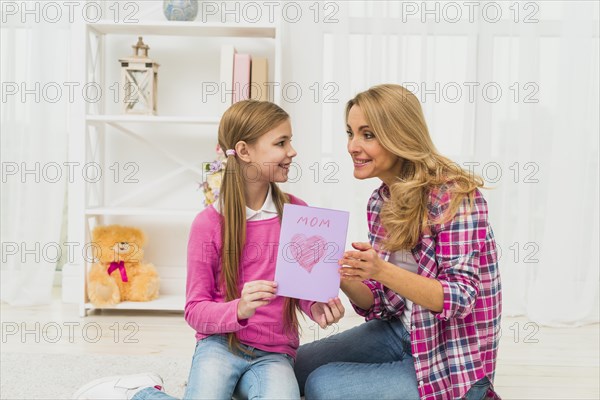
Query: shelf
x=154 y=119
x=164 y=302
x=184 y=28
x=103 y=122
x=140 y=211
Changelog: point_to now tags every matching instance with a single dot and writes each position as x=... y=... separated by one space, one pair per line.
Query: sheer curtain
x=510 y=91
x=34 y=118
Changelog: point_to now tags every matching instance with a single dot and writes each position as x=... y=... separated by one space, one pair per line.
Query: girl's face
x=368 y=155
x=271 y=155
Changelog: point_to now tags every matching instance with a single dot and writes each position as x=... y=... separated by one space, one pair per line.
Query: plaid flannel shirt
x=456 y=347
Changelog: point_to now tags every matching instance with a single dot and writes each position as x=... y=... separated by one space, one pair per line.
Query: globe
x=180 y=10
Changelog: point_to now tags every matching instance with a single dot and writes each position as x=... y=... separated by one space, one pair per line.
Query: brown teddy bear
x=119 y=273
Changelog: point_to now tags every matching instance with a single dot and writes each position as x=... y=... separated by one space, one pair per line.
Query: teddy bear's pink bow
x=121 y=267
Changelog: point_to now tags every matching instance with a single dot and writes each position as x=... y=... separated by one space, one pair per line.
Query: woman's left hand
x=362 y=264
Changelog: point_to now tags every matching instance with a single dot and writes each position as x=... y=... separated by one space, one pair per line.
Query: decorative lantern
x=139 y=75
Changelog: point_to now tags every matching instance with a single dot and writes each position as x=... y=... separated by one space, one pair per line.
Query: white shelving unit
x=88 y=203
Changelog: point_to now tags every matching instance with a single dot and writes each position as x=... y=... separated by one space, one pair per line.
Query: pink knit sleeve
x=305 y=306
x=204 y=311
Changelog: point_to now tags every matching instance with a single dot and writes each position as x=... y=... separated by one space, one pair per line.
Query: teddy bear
x=119 y=272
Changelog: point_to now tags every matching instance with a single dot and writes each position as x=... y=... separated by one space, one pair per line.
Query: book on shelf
x=226 y=89
x=258 y=79
x=241 y=77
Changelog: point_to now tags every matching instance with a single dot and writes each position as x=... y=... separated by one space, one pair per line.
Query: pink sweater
x=206 y=309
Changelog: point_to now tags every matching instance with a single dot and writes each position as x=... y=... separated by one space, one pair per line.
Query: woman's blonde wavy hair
x=396 y=118
x=245 y=121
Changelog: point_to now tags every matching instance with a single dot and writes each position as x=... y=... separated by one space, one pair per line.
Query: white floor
x=534 y=362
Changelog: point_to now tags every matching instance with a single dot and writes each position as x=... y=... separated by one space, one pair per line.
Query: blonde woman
x=428 y=281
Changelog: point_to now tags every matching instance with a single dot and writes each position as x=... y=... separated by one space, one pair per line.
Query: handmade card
x=311 y=242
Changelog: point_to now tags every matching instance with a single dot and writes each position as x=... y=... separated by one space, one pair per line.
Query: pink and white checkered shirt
x=456 y=347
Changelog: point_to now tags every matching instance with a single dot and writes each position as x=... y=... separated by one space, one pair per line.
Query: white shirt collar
x=267 y=210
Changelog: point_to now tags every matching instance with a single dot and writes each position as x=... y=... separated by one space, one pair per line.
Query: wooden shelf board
x=184 y=28
x=140 y=211
x=164 y=302
x=154 y=119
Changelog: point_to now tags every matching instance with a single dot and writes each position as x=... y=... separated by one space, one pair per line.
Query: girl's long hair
x=245 y=121
x=396 y=118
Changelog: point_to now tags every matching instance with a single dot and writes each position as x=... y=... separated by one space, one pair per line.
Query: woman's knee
x=320 y=384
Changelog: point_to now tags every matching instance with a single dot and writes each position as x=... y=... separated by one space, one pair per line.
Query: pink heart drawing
x=308 y=251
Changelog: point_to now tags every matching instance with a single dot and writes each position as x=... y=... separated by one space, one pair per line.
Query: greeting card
x=311 y=242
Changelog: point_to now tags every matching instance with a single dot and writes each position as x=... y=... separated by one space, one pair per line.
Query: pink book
x=241 y=77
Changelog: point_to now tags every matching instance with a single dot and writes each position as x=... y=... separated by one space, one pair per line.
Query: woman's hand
x=329 y=313
x=362 y=264
x=255 y=294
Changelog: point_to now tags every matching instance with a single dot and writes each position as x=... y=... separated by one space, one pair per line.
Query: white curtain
x=509 y=90
x=35 y=66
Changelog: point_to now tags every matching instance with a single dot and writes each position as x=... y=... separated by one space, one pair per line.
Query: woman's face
x=368 y=155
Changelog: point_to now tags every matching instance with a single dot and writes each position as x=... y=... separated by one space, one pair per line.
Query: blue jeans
x=370 y=361
x=217 y=373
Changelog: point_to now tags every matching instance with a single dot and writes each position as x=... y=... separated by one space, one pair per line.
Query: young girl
x=246 y=335
x=427 y=283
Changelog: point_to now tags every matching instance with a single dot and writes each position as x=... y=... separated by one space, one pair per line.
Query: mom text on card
x=314 y=221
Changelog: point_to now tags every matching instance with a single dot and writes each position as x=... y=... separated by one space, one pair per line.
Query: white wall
x=370 y=42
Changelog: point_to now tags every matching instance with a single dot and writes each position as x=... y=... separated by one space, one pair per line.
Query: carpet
x=58 y=376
